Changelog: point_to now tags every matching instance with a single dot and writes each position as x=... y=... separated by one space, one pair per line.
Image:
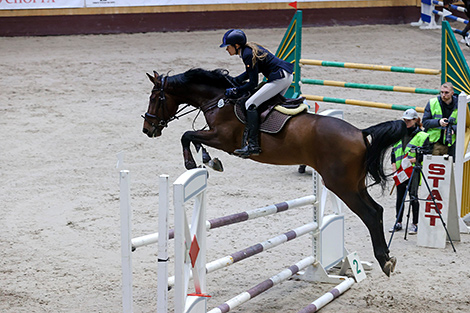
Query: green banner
x=290 y=50
x=454 y=66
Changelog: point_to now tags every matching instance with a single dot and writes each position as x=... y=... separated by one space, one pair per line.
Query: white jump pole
x=255 y=249
x=263 y=286
x=162 y=271
x=126 y=260
x=328 y=297
x=234 y=218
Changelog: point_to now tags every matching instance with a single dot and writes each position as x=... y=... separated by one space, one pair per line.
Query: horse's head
x=162 y=107
x=195 y=87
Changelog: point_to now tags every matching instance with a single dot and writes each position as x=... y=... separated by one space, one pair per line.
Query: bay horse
x=342 y=154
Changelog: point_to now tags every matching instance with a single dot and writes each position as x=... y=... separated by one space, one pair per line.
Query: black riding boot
x=252 y=128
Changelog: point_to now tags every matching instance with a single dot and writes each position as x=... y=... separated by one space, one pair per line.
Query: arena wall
x=163 y=18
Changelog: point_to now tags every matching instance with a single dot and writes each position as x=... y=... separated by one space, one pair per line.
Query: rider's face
x=231 y=50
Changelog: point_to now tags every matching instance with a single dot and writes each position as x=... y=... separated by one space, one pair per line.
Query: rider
x=257 y=59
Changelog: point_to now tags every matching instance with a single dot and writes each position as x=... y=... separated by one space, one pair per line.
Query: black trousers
x=413 y=194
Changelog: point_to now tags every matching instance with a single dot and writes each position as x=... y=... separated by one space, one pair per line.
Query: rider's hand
x=231 y=92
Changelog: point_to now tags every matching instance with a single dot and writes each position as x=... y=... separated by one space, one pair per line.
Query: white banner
x=57 y=4
x=122 y=3
x=438 y=171
x=40 y=4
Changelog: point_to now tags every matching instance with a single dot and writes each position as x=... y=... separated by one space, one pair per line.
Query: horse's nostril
x=145 y=130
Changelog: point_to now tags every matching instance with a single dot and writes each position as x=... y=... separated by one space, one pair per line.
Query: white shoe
x=413 y=229
x=467 y=40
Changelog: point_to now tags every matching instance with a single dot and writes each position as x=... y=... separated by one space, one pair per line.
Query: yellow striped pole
x=364 y=103
x=371 y=67
x=335 y=83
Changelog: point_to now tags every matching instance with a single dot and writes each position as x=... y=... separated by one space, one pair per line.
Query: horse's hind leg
x=390 y=265
x=371 y=214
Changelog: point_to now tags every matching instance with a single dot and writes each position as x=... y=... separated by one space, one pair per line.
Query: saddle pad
x=272 y=123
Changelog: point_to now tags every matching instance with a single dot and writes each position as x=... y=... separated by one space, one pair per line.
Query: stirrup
x=247 y=151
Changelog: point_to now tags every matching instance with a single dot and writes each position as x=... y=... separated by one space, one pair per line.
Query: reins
x=205 y=108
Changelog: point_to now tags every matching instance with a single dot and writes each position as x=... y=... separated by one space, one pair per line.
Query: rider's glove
x=231 y=93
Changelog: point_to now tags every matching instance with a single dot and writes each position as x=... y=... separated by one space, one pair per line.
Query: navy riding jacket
x=271 y=67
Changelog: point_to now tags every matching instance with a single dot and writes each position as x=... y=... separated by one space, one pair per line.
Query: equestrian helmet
x=232 y=37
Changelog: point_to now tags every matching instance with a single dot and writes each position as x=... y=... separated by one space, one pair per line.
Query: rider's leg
x=251 y=147
x=266 y=92
x=269 y=90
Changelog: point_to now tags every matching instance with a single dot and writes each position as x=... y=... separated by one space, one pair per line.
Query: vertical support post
x=317 y=192
x=126 y=258
x=180 y=248
x=298 y=52
x=460 y=152
x=190 y=243
x=162 y=272
x=198 y=233
x=459 y=147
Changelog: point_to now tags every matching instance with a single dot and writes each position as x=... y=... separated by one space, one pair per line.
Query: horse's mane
x=216 y=78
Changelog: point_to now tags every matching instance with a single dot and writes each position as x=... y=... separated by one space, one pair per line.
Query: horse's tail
x=382 y=136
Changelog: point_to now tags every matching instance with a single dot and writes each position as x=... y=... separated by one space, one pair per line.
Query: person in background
x=464 y=33
x=415 y=139
x=440 y=121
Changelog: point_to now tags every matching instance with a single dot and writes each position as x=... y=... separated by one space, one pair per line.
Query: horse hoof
x=389 y=266
x=216 y=165
x=190 y=165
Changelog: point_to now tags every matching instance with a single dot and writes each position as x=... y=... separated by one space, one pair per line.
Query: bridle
x=148 y=117
x=162 y=104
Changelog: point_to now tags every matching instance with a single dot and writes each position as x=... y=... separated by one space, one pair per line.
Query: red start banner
x=436 y=177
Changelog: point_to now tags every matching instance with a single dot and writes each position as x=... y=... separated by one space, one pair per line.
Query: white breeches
x=269 y=90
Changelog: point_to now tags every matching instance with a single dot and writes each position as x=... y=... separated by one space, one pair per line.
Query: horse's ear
x=153 y=79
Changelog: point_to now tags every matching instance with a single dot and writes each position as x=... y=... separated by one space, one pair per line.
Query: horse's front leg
x=197 y=138
x=186 y=139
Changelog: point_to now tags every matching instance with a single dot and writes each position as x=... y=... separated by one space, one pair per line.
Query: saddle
x=274 y=113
